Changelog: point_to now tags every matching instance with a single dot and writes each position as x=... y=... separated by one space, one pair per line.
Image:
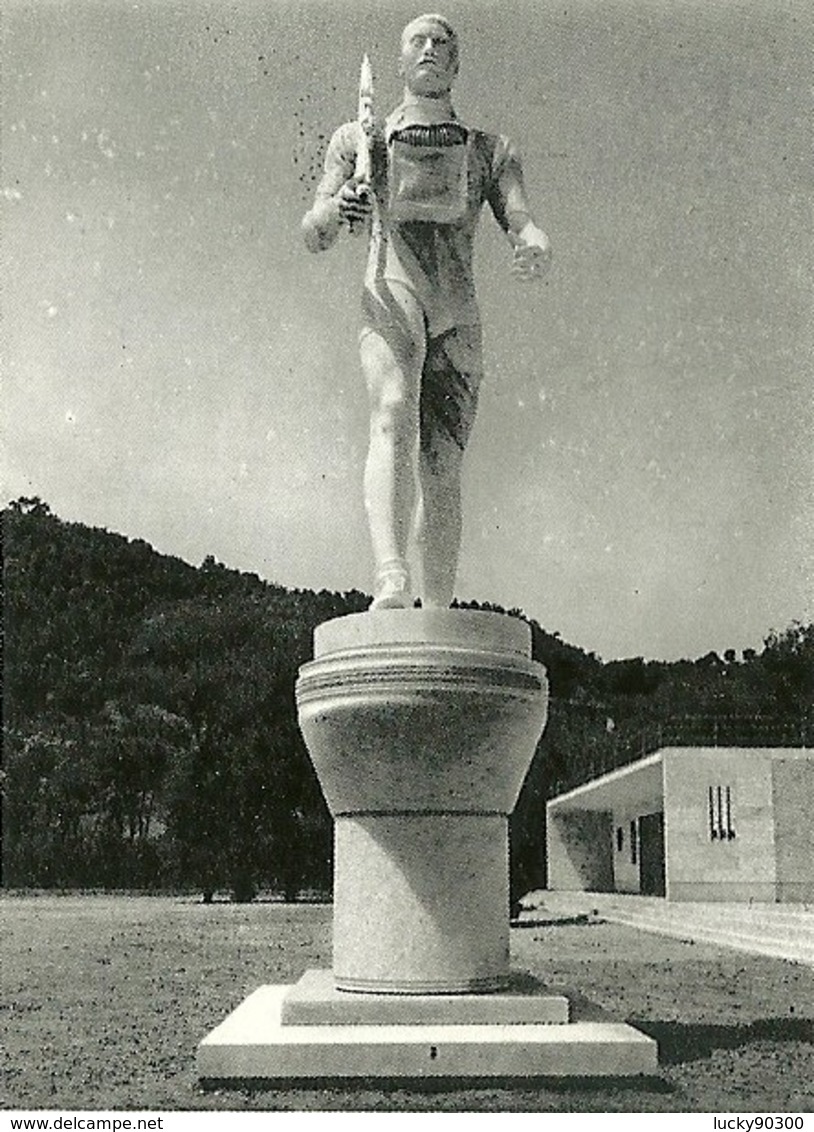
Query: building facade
x=691 y=823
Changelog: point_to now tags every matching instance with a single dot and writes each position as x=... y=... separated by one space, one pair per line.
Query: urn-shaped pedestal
x=421 y=725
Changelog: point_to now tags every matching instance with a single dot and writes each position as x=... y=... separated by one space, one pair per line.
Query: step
x=726 y=920
x=254 y=1043
x=773 y=930
x=775 y=946
x=795 y=919
x=729 y=922
x=741 y=912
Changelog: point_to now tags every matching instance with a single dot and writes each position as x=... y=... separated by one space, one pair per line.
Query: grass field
x=104 y=999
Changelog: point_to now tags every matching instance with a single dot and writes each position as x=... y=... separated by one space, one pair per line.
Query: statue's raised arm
x=343 y=193
x=422 y=194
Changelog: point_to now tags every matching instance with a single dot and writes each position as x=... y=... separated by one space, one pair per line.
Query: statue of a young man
x=421 y=337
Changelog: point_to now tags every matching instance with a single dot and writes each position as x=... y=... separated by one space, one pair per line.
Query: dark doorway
x=651 y=855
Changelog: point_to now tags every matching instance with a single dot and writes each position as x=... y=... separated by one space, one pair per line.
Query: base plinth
x=315 y=1001
x=421 y=726
x=254 y=1044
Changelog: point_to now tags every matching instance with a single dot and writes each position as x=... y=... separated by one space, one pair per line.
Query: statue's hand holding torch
x=355 y=205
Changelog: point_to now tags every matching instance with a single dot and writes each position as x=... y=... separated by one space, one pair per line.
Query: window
x=634 y=842
x=620 y=839
x=719 y=812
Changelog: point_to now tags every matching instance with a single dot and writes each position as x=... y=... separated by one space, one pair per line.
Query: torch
x=364 y=116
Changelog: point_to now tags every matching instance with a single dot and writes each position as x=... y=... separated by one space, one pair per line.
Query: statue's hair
x=436 y=19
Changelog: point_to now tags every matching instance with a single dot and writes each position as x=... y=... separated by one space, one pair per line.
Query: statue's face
x=429 y=57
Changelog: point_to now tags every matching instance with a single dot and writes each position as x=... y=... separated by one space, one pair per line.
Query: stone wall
x=793 y=794
x=579 y=851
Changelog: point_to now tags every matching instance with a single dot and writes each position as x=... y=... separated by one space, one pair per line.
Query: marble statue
x=420 y=725
x=417 y=183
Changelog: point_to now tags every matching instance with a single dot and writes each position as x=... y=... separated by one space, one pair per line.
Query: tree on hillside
x=73 y=597
x=48 y=792
x=81 y=798
x=139 y=688
x=235 y=796
x=132 y=748
x=631 y=677
x=787 y=663
x=29 y=505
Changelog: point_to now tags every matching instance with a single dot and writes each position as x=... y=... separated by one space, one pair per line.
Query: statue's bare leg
x=438 y=528
x=392 y=360
x=452 y=374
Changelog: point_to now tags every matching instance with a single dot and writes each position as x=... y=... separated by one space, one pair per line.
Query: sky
x=179 y=369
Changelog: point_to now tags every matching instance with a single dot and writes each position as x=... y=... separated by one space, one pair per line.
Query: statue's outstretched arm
x=532 y=247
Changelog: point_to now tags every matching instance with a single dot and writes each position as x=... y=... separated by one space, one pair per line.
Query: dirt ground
x=104 y=999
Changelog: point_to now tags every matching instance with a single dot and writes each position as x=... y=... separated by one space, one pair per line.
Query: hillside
x=151 y=736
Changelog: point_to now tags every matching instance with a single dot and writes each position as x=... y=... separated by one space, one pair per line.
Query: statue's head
x=429 y=56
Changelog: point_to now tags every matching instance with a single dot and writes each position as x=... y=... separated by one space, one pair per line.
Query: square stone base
x=254 y=1044
x=315 y=1001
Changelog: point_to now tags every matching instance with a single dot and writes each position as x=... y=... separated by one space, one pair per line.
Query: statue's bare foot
x=392 y=589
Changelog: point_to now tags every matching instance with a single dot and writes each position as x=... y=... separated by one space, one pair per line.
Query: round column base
x=421 y=903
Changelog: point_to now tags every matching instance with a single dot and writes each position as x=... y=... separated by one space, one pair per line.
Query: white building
x=691 y=823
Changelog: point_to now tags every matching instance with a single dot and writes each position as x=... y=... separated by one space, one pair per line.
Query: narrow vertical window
x=713 y=832
x=620 y=839
x=719 y=813
x=634 y=843
x=730 y=831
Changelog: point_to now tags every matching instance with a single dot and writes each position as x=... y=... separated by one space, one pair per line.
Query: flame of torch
x=363 y=171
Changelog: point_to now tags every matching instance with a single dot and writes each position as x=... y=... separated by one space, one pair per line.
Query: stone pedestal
x=421 y=726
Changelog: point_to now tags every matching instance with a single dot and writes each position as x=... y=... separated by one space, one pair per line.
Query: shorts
x=450 y=382
x=450 y=378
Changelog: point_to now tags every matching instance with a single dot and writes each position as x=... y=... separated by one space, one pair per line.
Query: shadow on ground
x=255 y=901
x=680 y=1042
x=440 y=1085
